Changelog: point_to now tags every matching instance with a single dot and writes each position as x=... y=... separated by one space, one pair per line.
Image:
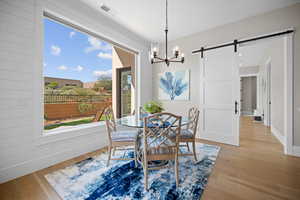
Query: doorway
x=218 y=100
x=262 y=67
x=248 y=95
x=124 y=79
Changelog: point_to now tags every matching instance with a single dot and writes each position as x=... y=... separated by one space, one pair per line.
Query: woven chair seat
x=124 y=136
x=185 y=134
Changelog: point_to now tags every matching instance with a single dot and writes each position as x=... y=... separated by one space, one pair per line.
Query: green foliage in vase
x=153 y=107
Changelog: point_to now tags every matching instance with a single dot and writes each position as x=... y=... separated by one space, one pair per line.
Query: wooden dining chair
x=156 y=143
x=188 y=133
x=119 y=138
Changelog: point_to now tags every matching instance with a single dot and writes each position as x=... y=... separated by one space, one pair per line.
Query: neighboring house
x=89 y=85
x=63 y=82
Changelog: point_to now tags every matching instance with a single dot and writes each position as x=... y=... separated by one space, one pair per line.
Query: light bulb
x=176 y=48
x=182 y=55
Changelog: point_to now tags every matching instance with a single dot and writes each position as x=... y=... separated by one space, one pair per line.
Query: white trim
x=296 y=151
x=288 y=92
x=267 y=98
x=41 y=136
x=72 y=128
x=278 y=135
x=59 y=135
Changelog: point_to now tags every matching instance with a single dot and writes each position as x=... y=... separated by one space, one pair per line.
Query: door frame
x=267 y=98
x=289 y=95
x=118 y=97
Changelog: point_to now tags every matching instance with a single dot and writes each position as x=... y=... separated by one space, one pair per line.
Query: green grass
x=72 y=123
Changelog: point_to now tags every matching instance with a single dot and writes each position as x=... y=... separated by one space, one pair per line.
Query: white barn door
x=220 y=96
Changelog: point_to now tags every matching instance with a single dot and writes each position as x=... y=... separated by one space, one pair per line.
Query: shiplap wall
x=23 y=149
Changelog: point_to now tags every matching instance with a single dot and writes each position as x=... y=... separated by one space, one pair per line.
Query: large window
x=77 y=76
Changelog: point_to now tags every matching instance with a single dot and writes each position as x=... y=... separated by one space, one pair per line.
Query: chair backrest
x=159 y=132
x=110 y=121
x=193 y=117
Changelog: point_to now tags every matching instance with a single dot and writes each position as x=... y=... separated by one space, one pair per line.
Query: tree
x=103 y=82
x=52 y=85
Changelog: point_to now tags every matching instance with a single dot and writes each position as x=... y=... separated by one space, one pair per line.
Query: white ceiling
x=186 y=17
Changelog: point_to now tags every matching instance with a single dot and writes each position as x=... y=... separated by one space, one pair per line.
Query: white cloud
x=104 y=55
x=62 y=67
x=55 y=50
x=79 y=68
x=71 y=34
x=96 y=44
x=104 y=73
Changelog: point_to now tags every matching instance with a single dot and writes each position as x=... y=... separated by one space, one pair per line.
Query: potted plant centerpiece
x=153 y=107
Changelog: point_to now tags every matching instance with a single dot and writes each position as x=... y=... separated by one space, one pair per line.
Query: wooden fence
x=58 y=98
x=70 y=110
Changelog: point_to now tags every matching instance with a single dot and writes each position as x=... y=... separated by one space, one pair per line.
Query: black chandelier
x=167 y=60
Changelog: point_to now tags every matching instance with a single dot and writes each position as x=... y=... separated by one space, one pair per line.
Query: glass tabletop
x=134 y=122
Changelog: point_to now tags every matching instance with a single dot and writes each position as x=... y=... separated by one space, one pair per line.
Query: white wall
x=275 y=55
x=23 y=149
x=249 y=71
x=262 y=24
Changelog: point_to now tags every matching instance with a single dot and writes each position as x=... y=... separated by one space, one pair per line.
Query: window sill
x=65 y=133
x=64 y=129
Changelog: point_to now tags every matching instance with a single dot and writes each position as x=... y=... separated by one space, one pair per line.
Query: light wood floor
x=256 y=170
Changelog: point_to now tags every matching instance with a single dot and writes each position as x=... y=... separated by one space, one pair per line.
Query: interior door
x=220 y=96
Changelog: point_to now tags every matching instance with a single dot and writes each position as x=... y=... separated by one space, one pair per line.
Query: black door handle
x=235 y=105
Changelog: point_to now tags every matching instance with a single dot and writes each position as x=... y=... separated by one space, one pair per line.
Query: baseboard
x=220 y=139
x=33 y=165
x=296 y=151
x=278 y=135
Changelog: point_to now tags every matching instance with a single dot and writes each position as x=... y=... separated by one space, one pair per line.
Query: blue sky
x=74 y=55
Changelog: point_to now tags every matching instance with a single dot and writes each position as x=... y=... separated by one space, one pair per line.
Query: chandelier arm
x=160 y=61
x=159 y=58
x=176 y=61
x=173 y=58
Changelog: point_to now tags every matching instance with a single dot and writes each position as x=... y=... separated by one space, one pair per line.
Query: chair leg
x=176 y=170
x=194 y=150
x=146 y=174
x=109 y=155
x=187 y=145
x=135 y=154
x=114 y=150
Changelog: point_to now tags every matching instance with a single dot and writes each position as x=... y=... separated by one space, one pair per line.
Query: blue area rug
x=90 y=179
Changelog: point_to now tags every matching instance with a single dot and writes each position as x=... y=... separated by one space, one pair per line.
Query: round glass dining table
x=135 y=122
